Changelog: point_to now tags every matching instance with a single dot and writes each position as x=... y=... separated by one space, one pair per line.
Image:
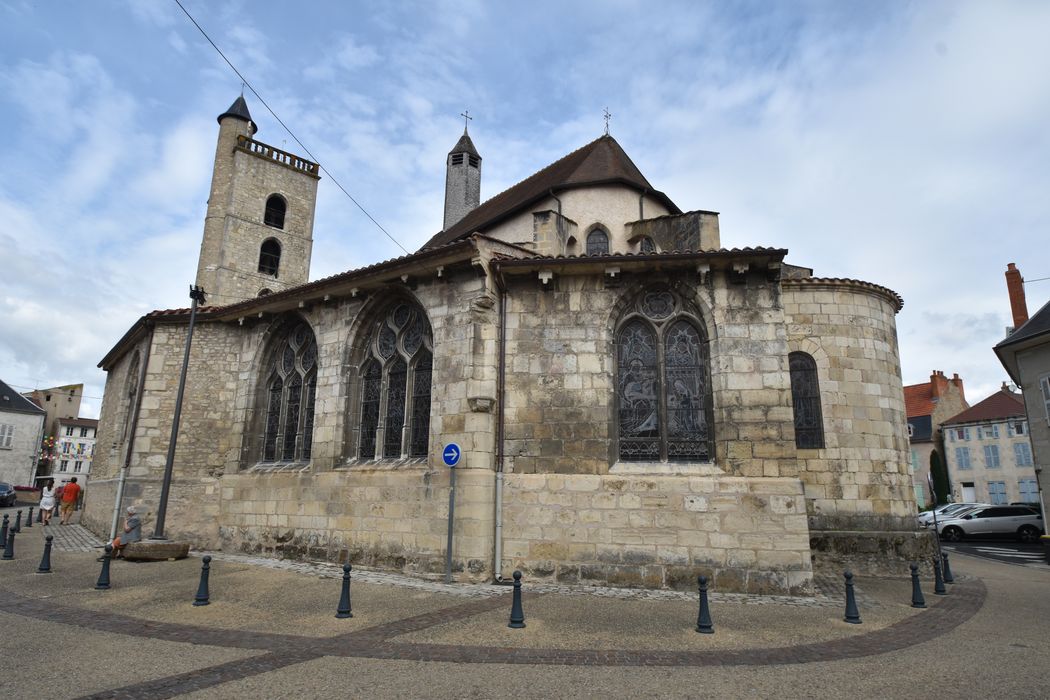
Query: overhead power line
x=290 y=133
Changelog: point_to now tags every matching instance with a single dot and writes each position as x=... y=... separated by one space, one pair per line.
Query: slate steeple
x=239 y=110
x=462 y=180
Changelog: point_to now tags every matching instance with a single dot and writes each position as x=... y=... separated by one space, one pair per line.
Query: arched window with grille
x=663 y=382
x=394 y=386
x=805 y=398
x=275 y=211
x=646 y=245
x=270 y=257
x=290 y=387
x=597 y=242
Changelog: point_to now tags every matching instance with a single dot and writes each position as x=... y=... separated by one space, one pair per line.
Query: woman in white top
x=47 y=501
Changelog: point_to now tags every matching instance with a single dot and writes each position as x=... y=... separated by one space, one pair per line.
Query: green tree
x=940 y=477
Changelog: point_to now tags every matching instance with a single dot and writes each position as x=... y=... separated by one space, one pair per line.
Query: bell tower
x=258 y=232
x=462 y=179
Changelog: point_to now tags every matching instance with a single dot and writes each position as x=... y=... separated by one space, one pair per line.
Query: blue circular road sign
x=450 y=455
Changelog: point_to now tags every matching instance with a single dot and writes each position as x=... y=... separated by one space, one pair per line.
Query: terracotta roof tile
x=1001 y=404
x=918 y=400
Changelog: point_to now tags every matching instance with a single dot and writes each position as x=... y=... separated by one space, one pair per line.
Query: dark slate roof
x=11 y=400
x=1000 y=405
x=239 y=110
x=1038 y=324
x=80 y=422
x=465 y=145
x=600 y=162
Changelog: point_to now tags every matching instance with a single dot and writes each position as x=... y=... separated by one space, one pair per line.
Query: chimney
x=1015 y=288
x=938 y=384
x=957 y=381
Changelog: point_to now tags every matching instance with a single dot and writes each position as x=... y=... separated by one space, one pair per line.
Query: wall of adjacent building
x=979 y=473
x=18 y=464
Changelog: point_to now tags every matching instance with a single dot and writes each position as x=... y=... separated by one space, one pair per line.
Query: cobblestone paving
x=72 y=538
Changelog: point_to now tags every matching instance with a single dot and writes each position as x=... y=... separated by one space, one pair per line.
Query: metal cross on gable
x=607 y=116
x=466 y=116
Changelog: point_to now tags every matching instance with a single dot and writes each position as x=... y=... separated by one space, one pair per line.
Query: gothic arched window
x=805 y=397
x=646 y=245
x=395 y=386
x=597 y=242
x=269 y=257
x=291 y=384
x=663 y=385
x=275 y=210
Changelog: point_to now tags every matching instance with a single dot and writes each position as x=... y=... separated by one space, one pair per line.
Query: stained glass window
x=395 y=386
x=663 y=393
x=597 y=242
x=805 y=397
x=291 y=387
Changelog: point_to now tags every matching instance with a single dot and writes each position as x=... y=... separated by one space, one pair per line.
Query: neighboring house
x=1026 y=356
x=74 y=449
x=60 y=403
x=989 y=455
x=633 y=403
x=21 y=430
x=928 y=405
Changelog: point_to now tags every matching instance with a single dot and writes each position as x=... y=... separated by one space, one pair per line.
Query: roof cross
x=608 y=116
x=466 y=115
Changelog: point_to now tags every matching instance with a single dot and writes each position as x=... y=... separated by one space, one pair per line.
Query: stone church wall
x=860 y=480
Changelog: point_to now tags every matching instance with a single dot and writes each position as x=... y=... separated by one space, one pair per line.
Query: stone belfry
x=462 y=180
x=258 y=232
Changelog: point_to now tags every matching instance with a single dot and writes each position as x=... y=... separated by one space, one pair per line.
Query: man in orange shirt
x=69 y=500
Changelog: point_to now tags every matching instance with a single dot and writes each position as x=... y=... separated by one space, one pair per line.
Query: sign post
x=450 y=456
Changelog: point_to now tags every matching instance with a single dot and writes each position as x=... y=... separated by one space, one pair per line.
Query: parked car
x=7 y=495
x=1023 y=522
x=947 y=511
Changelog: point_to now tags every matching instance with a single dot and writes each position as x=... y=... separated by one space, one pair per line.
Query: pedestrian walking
x=47 y=501
x=70 y=493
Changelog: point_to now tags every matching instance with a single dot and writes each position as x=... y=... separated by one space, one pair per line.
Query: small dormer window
x=597 y=242
x=275 y=210
x=270 y=257
x=457 y=159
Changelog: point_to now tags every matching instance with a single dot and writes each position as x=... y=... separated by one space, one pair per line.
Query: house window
x=997 y=493
x=1018 y=428
x=960 y=434
x=1029 y=490
x=597 y=242
x=1022 y=454
x=65 y=447
x=395 y=386
x=78 y=465
x=991 y=456
x=805 y=397
x=646 y=245
x=7 y=436
x=988 y=431
x=63 y=465
x=291 y=385
x=911 y=430
x=962 y=457
x=914 y=461
x=83 y=432
x=69 y=430
x=663 y=386
x=275 y=210
x=269 y=257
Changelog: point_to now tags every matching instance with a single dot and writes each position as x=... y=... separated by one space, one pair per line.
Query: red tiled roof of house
x=918 y=400
x=1001 y=404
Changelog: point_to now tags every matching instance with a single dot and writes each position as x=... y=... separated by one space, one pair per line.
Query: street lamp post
x=196 y=295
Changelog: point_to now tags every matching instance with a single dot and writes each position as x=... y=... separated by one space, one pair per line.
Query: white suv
x=1024 y=522
x=947 y=511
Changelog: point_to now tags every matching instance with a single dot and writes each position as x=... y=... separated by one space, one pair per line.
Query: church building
x=634 y=404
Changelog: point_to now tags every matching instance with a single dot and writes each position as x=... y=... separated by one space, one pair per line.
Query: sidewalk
x=275 y=620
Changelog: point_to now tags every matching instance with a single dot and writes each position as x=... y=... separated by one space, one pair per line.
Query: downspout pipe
x=122 y=479
x=555 y=198
x=641 y=204
x=497 y=567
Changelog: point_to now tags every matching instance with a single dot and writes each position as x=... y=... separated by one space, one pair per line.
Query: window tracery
x=597 y=242
x=663 y=387
x=291 y=387
x=395 y=394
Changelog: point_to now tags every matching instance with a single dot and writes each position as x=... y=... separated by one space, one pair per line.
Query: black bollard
x=852 y=614
x=45 y=561
x=103 y=576
x=40 y=515
x=9 y=545
x=938 y=581
x=343 y=611
x=517 y=615
x=202 y=590
x=703 y=620
x=917 y=599
x=18 y=523
x=948 y=578
x=3 y=529
x=29 y=518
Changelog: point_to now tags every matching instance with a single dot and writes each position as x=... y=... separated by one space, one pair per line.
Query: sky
x=901 y=143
